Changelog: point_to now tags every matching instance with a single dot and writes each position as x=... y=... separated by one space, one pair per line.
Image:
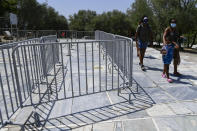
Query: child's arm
x=176 y=45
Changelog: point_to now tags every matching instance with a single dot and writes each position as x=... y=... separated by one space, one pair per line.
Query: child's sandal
x=163 y=75
x=170 y=80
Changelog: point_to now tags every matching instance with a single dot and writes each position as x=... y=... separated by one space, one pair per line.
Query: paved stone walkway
x=176 y=103
x=159 y=106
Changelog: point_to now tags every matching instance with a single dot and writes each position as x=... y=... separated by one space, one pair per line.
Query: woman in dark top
x=170 y=46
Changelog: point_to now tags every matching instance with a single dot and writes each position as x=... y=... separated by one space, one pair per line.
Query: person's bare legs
x=176 y=62
x=167 y=70
x=138 y=50
x=175 y=68
x=141 y=57
x=164 y=69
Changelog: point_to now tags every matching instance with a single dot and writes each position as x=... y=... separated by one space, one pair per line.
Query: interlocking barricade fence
x=76 y=34
x=47 y=70
x=125 y=47
x=9 y=98
x=8 y=92
x=19 y=35
x=47 y=58
x=82 y=68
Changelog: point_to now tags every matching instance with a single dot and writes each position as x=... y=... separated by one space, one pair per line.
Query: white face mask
x=173 y=25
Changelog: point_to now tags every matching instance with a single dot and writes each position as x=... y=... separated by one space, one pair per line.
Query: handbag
x=164 y=50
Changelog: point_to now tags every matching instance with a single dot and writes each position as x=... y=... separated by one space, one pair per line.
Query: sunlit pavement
x=172 y=107
x=176 y=103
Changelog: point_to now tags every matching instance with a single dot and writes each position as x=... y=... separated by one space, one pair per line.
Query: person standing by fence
x=143 y=37
x=170 y=45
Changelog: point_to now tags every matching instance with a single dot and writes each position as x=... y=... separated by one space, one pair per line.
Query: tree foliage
x=33 y=15
x=82 y=20
x=8 y=6
x=183 y=10
x=113 y=21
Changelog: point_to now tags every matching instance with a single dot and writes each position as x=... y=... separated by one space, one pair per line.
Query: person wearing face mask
x=170 y=49
x=143 y=37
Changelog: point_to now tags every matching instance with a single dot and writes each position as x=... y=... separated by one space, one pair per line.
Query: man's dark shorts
x=142 y=45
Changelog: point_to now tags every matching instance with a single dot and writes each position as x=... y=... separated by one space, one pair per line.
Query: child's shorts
x=167 y=58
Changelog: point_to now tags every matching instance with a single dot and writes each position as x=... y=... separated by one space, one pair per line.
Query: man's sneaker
x=142 y=67
x=177 y=74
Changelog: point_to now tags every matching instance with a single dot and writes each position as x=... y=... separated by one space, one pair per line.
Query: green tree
x=138 y=9
x=183 y=10
x=82 y=21
x=8 y=6
x=113 y=22
x=33 y=15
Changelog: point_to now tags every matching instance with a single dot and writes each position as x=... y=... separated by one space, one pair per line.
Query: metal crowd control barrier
x=9 y=98
x=81 y=70
x=76 y=34
x=42 y=73
x=125 y=63
x=19 y=35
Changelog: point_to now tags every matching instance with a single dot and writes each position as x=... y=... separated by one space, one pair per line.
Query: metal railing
x=19 y=35
x=125 y=63
x=85 y=62
x=41 y=73
x=8 y=89
x=9 y=98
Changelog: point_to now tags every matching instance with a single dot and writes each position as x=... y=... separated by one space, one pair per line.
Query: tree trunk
x=194 y=39
x=188 y=41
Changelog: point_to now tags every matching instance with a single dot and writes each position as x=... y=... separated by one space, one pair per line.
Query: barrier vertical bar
x=86 y=69
x=1 y=118
x=131 y=66
x=93 y=66
x=118 y=67
x=54 y=69
x=71 y=75
x=17 y=79
x=36 y=67
x=25 y=73
x=112 y=64
x=63 y=75
x=33 y=64
x=124 y=64
x=13 y=80
x=100 y=66
x=106 y=45
x=38 y=50
x=28 y=75
x=79 y=82
x=7 y=79
x=21 y=74
x=4 y=99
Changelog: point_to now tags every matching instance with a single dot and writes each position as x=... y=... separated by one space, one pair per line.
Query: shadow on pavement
x=139 y=101
x=182 y=77
x=154 y=68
